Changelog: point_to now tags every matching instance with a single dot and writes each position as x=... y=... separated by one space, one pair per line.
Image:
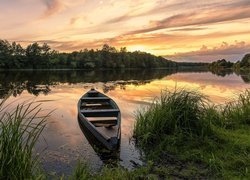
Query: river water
x=63 y=142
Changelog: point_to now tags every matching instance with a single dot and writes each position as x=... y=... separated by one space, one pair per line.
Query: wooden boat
x=102 y=117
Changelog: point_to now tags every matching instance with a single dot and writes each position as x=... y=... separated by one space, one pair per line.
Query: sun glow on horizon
x=136 y=48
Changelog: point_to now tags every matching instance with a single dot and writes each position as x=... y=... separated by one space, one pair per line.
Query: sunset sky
x=182 y=30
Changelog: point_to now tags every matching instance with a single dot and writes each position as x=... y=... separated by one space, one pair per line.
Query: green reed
x=83 y=172
x=237 y=113
x=19 y=131
x=175 y=112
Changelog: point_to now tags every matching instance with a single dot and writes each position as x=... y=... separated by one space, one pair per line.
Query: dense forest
x=36 y=56
x=223 y=64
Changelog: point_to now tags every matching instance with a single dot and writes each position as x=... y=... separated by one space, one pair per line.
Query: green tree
x=245 y=62
x=5 y=54
x=33 y=54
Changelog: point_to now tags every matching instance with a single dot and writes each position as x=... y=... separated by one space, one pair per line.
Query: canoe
x=102 y=117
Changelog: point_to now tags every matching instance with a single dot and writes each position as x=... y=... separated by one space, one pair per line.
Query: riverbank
x=188 y=137
x=182 y=134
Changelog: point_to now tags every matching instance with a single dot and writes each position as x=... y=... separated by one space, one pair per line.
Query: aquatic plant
x=175 y=112
x=19 y=131
x=237 y=112
x=82 y=171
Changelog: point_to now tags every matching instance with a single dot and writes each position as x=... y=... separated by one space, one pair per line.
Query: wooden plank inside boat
x=104 y=123
x=100 y=112
x=108 y=132
x=107 y=121
x=90 y=106
x=93 y=93
x=95 y=99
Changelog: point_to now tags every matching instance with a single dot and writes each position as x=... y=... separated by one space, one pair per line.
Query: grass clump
x=216 y=139
x=237 y=113
x=82 y=172
x=178 y=112
x=19 y=131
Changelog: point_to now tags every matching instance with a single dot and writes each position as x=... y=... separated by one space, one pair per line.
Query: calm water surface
x=63 y=142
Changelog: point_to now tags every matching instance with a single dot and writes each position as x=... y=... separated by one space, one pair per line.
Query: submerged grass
x=19 y=131
x=182 y=123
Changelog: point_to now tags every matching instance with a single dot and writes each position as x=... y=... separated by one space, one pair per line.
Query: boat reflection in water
x=109 y=157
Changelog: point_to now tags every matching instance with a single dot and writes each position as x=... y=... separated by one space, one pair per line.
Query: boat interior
x=100 y=111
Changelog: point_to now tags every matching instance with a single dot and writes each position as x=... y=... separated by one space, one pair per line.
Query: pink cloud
x=231 y=12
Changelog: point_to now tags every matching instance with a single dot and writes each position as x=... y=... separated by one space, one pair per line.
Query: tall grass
x=113 y=173
x=178 y=112
x=19 y=131
x=237 y=113
x=81 y=171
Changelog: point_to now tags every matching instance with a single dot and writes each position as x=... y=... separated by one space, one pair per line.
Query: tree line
x=36 y=56
x=223 y=64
